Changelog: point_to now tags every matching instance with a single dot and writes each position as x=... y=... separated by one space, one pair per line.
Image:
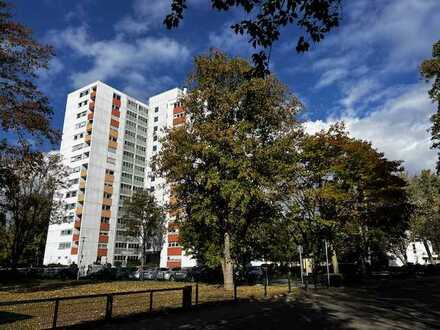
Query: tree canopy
x=266 y=18
x=24 y=109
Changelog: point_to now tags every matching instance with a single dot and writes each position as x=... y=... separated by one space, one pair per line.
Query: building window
x=64 y=245
x=155 y=128
x=156 y=119
x=66 y=232
x=154 y=148
x=81 y=124
x=173 y=244
x=106 y=207
x=156 y=109
x=84 y=93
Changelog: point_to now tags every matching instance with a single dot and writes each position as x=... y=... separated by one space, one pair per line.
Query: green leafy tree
x=24 y=109
x=29 y=182
x=144 y=220
x=424 y=191
x=226 y=162
x=350 y=195
x=430 y=70
x=266 y=18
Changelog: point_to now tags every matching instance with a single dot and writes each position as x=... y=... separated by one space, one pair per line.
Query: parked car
x=254 y=274
x=151 y=274
x=185 y=274
x=163 y=274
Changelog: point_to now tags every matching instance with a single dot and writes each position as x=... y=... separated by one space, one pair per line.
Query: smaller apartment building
x=109 y=139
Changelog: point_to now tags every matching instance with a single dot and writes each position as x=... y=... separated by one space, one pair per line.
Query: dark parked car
x=183 y=274
x=151 y=274
x=162 y=274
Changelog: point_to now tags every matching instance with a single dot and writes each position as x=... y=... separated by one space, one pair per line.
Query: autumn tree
x=424 y=192
x=29 y=181
x=144 y=220
x=349 y=194
x=266 y=18
x=225 y=163
x=24 y=109
x=430 y=70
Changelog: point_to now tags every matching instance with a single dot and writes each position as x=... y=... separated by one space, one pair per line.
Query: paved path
x=399 y=305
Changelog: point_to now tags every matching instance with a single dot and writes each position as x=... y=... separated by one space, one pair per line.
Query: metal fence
x=64 y=311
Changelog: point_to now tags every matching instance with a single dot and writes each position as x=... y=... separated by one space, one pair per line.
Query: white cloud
x=226 y=40
x=119 y=58
x=398 y=128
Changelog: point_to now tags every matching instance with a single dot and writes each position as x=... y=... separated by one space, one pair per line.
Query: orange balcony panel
x=178 y=121
x=116 y=113
x=173 y=225
x=117 y=102
x=89 y=127
x=74 y=250
x=173 y=200
x=114 y=123
x=114 y=133
x=79 y=211
x=102 y=252
x=82 y=184
x=81 y=198
x=109 y=178
x=106 y=213
x=113 y=144
x=88 y=139
x=108 y=190
x=107 y=201
x=178 y=110
x=83 y=173
x=103 y=239
x=173 y=238
x=90 y=116
x=92 y=106
x=75 y=237
x=174 y=264
x=174 y=251
x=77 y=224
x=104 y=226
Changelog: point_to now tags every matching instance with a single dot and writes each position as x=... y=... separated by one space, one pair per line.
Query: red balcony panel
x=178 y=110
x=114 y=123
x=116 y=113
x=92 y=106
x=173 y=238
x=105 y=226
x=117 y=102
x=77 y=224
x=103 y=239
x=93 y=95
x=75 y=237
x=174 y=264
x=102 y=252
x=174 y=251
x=173 y=225
x=74 y=250
x=90 y=116
x=178 y=121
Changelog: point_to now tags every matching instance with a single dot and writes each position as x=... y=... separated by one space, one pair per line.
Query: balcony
x=88 y=139
x=106 y=213
x=77 y=224
x=113 y=144
x=74 y=251
x=104 y=226
x=117 y=102
x=93 y=95
x=116 y=113
x=89 y=127
x=107 y=201
x=174 y=264
x=173 y=200
x=83 y=173
x=79 y=211
x=92 y=106
x=102 y=252
x=90 y=116
x=82 y=185
x=108 y=190
x=178 y=121
x=173 y=238
x=81 y=198
x=75 y=237
x=178 y=110
x=114 y=133
x=103 y=239
x=109 y=178
x=174 y=251
x=114 y=123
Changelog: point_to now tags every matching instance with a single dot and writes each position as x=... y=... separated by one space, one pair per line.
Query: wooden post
x=186 y=297
x=197 y=293
x=109 y=307
x=55 y=314
x=288 y=282
x=151 y=301
x=235 y=291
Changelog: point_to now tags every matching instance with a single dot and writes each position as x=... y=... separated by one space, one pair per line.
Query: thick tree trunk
x=428 y=251
x=227 y=264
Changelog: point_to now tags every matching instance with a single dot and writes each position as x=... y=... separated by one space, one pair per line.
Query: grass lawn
x=88 y=309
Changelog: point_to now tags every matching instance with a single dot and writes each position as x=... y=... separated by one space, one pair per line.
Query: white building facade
x=109 y=139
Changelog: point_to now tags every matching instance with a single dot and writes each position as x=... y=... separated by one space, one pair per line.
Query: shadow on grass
x=11 y=317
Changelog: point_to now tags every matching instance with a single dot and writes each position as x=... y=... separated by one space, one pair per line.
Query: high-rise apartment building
x=109 y=139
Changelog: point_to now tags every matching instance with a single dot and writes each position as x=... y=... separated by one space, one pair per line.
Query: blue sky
x=365 y=72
